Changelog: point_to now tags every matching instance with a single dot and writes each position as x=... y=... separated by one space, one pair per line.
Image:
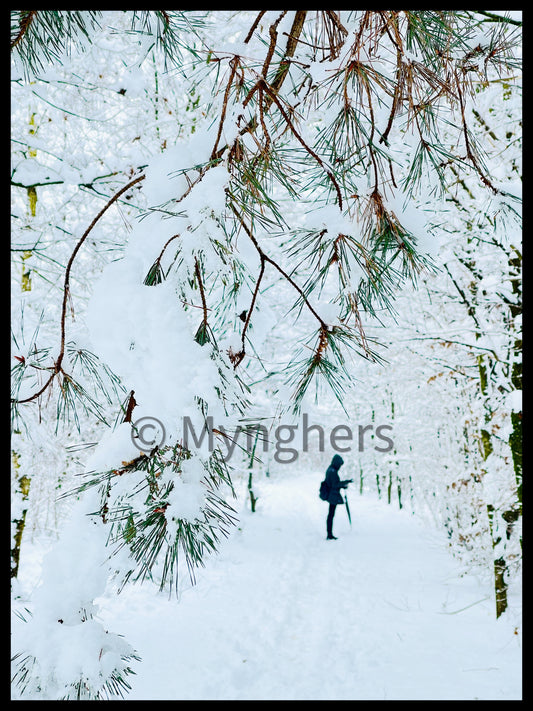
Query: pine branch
x=266 y=258
x=492 y=17
x=296 y=30
x=43 y=35
x=238 y=357
x=26 y=18
x=57 y=368
x=307 y=148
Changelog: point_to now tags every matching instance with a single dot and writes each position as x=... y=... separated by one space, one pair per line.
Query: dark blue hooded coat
x=334 y=481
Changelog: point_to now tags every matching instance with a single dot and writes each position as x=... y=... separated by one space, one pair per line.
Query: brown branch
x=25 y=23
x=73 y=257
x=39 y=392
x=297 y=27
x=233 y=64
x=129 y=409
x=365 y=22
x=266 y=258
x=158 y=260
x=371 y=137
x=262 y=121
x=66 y=288
x=398 y=89
x=238 y=357
x=254 y=26
x=335 y=31
x=309 y=150
x=273 y=32
x=166 y=19
x=332 y=15
x=469 y=151
x=322 y=345
x=201 y=287
x=249 y=95
x=294 y=34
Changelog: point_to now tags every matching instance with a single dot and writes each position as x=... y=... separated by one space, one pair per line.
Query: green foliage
x=309 y=117
x=114 y=685
x=139 y=519
x=40 y=37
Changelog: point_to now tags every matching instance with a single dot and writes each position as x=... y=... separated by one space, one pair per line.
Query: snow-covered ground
x=282 y=613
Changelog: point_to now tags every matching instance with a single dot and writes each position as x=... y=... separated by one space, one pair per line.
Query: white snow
x=383 y=613
x=114 y=449
x=187 y=497
x=514 y=400
x=143 y=333
x=284 y=614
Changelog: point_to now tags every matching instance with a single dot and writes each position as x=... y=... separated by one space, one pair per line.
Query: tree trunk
x=253 y=498
x=500 y=586
x=22 y=491
x=515 y=438
x=500 y=568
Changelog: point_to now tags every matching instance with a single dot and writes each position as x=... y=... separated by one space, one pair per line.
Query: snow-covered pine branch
x=288 y=169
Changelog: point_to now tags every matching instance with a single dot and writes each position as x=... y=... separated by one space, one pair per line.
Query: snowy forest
x=243 y=242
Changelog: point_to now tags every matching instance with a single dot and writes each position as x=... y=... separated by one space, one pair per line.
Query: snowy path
x=284 y=614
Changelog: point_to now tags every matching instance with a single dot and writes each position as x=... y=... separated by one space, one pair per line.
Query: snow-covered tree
x=280 y=170
x=466 y=351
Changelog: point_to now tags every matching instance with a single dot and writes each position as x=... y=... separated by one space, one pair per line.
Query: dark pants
x=329 y=522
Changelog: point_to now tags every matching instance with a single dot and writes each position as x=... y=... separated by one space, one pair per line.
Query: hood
x=337 y=461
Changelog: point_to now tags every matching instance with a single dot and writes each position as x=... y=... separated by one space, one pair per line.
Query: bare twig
x=73 y=257
x=273 y=32
x=171 y=239
x=473 y=159
x=254 y=26
x=264 y=257
x=275 y=86
x=233 y=64
x=238 y=357
x=295 y=32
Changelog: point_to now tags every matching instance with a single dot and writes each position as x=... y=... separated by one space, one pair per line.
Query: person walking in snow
x=334 y=485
